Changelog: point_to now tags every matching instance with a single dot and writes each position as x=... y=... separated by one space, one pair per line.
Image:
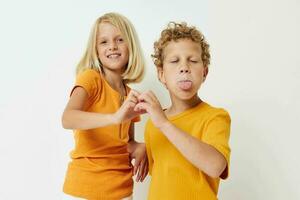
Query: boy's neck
x=179 y=106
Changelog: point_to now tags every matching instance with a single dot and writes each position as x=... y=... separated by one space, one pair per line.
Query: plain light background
x=254 y=74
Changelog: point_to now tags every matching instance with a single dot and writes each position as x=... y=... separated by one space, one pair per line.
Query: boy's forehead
x=182 y=46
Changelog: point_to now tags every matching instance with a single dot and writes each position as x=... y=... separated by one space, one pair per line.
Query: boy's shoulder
x=210 y=112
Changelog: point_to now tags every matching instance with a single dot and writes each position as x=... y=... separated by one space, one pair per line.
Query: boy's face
x=183 y=71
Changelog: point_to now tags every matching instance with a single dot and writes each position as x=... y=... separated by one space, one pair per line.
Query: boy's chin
x=184 y=96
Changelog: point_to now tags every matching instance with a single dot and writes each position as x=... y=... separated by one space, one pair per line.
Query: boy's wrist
x=165 y=125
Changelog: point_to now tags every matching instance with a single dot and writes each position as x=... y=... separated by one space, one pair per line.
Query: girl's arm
x=75 y=118
x=137 y=151
x=202 y=155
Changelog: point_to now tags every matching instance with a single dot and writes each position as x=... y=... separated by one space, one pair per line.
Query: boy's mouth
x=185 y=84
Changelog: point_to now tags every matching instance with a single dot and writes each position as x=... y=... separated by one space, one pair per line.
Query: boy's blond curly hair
x=174 y=32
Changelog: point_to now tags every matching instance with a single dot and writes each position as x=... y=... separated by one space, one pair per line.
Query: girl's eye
x=120 y=40
x=103 y=42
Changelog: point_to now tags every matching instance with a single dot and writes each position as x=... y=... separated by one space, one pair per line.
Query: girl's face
x=111 y=48
x=183 y=71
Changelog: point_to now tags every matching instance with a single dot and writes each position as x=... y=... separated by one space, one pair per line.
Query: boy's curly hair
x=174 y=32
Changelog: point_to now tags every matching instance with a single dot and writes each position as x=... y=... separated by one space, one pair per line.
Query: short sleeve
x=89 y=80
x=148 y=147
x=216 y=134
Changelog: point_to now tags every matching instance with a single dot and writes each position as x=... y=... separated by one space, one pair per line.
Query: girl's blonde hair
x=135 y=68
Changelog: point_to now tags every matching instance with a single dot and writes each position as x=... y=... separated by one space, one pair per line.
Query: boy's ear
x=161 y=76
x=205 y=73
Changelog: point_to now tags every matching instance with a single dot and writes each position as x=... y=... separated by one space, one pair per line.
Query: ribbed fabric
x=100 y=166
x=174 y=177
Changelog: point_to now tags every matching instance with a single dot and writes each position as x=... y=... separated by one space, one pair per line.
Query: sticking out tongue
x=185 y=85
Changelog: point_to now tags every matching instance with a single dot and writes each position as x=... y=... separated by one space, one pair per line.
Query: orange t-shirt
x=100 y=166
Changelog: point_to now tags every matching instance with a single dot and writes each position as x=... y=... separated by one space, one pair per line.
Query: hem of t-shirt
x=84 y=196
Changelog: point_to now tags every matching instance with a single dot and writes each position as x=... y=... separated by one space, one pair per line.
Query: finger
x=133 y=93
x=138 y=174
x=130 y=105
x=142 y=107
x=131 y=97
x=142 y=169
x=139 y=111
x=145 y=170
x=145 y=98
x=136 y=165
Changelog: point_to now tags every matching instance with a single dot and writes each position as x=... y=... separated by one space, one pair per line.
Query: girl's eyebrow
x=105 y=37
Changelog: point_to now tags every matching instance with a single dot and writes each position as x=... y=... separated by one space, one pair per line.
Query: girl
x=101 y=113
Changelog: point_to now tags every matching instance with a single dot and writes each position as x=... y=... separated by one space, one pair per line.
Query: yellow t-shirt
x=173 y=176
x=100 y=166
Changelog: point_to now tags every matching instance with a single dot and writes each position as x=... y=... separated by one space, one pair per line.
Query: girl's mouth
x=114 y=55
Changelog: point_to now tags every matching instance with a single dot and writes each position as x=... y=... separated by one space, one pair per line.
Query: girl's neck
x=179 y=105
x=115 y=80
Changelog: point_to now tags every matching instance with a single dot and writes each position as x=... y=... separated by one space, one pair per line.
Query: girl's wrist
x=113 y=118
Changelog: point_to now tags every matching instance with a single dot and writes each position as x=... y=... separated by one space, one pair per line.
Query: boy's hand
x=126 y=112
x=149 y=103
x=137 y=151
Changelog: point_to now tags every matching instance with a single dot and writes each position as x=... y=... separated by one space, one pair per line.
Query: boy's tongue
x=185 y=85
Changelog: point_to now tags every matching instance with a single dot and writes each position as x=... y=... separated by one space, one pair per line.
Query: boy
x=187 y=143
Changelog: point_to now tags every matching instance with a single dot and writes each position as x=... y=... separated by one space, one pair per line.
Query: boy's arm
x=202 y=155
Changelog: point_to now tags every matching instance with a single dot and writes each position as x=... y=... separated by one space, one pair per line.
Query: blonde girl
x=101 y=113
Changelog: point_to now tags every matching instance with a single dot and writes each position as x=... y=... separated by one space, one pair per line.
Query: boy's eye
x=173 y=61
x=194 y=61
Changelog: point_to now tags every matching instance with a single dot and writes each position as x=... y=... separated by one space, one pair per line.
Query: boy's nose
x=184 y=71
x=184 y=68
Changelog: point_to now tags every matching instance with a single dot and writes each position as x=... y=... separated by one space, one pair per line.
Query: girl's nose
x=113 y=46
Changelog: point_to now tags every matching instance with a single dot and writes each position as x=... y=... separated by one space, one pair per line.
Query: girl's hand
x=149 y=103
x=137 y=151
x=126 y=112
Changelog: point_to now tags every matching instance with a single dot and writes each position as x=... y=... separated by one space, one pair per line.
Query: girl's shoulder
x=89 y=73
